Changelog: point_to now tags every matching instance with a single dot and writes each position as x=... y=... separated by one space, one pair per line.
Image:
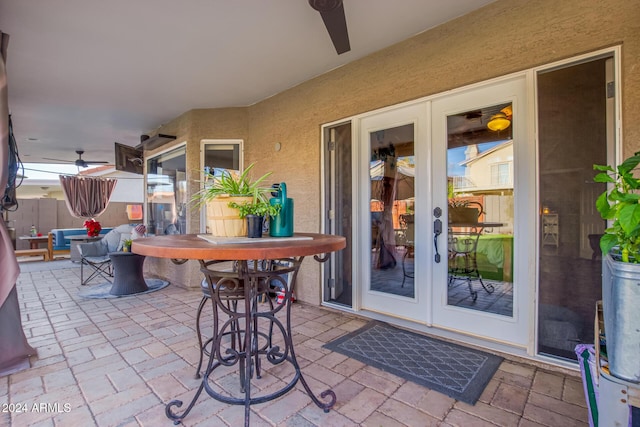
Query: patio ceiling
x=85 y=74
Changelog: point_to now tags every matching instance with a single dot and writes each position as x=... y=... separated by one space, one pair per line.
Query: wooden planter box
x=223 y=221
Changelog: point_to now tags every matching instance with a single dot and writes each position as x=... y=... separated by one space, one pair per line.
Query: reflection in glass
x=391 y=172
x=167 y=193
x=219 y=156
x=480 y=198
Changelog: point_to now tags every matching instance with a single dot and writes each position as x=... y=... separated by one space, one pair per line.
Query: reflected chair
x=95 y=255
x=462 y=260
x=406 y=238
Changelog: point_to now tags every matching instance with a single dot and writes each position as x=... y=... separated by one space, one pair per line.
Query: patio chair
x=95 y=255
x=405 y=237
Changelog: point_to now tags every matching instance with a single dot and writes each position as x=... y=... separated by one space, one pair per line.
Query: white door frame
x=414 y=309
x=510 y=330
x=361 y=208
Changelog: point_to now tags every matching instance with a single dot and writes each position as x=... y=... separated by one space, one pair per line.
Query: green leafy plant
x=258 y=208
x=126 y=245
x=452 y=200
x=458 y=203
x=232 y=184
x=619 y=204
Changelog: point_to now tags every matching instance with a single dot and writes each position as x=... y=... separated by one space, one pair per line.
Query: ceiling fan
x=332 y=12
x=80 y=162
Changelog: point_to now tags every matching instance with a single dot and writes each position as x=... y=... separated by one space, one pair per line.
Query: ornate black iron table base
x=236 y=341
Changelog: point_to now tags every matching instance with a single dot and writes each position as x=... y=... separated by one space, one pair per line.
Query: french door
x=470 y=149
x=391 y=143
x=483 y=189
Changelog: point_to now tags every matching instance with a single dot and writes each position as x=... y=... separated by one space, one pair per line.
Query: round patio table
x=245 y=253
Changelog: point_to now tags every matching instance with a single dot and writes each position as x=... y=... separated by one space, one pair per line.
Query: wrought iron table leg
x=248 y=350
x=404 y=272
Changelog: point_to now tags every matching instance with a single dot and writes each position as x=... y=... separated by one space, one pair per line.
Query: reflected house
x=488 y=179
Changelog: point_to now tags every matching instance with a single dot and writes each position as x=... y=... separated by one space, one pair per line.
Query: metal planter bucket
x=621 y=306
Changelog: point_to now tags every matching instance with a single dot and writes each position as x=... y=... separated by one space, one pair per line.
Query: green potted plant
x=223 y=190
x=620 y=245
x=255 y=213
x=619 y=204
x=126 y=245
x=461 y=211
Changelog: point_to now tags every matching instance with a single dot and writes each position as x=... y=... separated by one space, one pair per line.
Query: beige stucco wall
x=192 y=127
x=501 y=38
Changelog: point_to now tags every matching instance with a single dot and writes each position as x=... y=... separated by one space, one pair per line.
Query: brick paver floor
x=117 y=362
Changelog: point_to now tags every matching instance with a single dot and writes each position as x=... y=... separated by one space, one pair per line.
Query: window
x=219 y=154
x=500 y=174
x=167 y=193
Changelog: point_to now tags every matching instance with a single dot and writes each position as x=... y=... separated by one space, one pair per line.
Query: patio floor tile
x=118 y=362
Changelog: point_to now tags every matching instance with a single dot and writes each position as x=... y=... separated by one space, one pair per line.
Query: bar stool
x=227 y=289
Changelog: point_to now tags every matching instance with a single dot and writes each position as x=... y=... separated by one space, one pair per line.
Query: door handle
x=437 y=230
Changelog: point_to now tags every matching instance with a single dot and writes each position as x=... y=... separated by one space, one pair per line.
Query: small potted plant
x=126 y=245
x=255 y=213
x=462 y=211
x=620 y=205
x=224 y=189
x=620 y=245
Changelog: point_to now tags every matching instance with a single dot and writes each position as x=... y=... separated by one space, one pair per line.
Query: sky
x=456 y=155
x=47 y=171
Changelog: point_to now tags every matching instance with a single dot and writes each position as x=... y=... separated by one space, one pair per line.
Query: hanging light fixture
x=501 y=120
x=498 y=122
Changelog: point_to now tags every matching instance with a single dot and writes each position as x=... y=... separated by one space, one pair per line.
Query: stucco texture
x=501 y=38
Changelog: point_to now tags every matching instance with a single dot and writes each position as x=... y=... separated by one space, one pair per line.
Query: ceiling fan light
x=498 y=122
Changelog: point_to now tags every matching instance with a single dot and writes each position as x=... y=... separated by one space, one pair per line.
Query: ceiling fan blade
x=97 y=162
x=58 y=160
x=335 y=21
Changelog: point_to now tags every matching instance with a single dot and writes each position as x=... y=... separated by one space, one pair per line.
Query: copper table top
x=190 y=246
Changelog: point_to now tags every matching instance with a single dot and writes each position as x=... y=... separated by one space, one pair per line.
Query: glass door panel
x=390 y=277
x=167 y=193
x=483 y=181
x=480 y=196
x=392 y=172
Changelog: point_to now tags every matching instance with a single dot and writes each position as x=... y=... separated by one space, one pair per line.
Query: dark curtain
x=87 y=197
x=14 y=348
